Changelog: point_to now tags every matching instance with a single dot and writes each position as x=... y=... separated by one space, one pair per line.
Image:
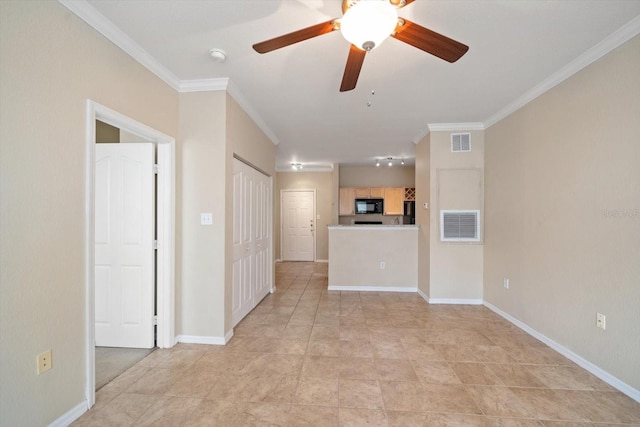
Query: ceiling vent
x=460 y=142
x=460 y=226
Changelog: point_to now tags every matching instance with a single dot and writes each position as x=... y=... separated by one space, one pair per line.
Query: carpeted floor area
x=111 y=362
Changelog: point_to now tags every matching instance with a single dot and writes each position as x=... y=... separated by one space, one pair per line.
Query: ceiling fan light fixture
x=368 y=23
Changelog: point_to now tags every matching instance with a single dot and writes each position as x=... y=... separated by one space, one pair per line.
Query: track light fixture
x=389 y=161
x=296 y=166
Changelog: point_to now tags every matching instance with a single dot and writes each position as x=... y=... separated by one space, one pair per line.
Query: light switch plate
x=206 y=218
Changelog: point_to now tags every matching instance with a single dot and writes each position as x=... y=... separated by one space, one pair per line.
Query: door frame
x=315 y=217
x=165 y=217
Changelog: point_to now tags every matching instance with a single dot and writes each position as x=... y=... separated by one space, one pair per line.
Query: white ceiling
x=517 y=48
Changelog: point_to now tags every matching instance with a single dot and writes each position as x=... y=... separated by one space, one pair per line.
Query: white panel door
x=262 y=236
x=252 y=259
x=298 y=211
x=124 y=254
x=243 y=243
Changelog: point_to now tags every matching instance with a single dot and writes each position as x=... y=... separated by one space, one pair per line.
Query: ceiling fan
x=366 y=24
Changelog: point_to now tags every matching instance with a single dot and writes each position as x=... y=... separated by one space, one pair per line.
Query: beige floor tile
x=516 y=375
x=434 y=372
x=356 y=417
x=475 y=373
x=498 y=401
x=403 y=396
x=123 y=410
x=169 y=412
x=193 y=383
x=312 y=416
x=317 y=391
x=360 y=394
x=324 y=347
x=357 y=368
x=414 y=419
x=355 y=349
x=546 y=405
x=321 y=367
x=395 y=370
x=309 y=356
x=449 y=398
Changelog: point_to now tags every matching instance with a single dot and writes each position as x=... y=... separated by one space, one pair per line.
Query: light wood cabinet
x=347 y=201
x=394 y=201
x=376 y=192
x=362 y=192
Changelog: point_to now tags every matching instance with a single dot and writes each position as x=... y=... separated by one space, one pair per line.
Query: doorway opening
x=164 y=231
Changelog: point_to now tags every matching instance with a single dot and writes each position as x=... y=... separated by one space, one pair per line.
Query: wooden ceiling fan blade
x=352 y=69
x=295 y=37
x=431 y=42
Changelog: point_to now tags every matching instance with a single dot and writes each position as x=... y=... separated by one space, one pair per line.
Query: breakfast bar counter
x=373 y=258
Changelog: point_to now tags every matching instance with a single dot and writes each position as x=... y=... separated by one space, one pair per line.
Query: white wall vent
x=460 y=226
x=460 y=142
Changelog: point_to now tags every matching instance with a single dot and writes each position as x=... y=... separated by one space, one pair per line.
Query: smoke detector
x=218 y=55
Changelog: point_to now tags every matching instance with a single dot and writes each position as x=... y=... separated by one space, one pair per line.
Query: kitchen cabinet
x=409 y=194
x=362 y=193
x=376 y=192
x=394 y=201
x=347 y=201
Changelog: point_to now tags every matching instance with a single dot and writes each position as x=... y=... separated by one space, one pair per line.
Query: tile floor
x=306 y=356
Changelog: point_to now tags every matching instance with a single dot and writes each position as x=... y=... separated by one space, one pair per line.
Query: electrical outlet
x=43 y=362
x=206 y=218
x=505 y=282
x=601 y=321
x=382 y=265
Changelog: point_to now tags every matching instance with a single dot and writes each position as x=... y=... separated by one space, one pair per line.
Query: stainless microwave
x=369 y=206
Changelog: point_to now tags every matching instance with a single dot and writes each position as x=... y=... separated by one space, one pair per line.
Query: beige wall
x=356 y=252
x=50 y=64
x=371 y=176
x=563 y=213
x=456 y=183
x=322 y=182
x=200 y=266
x=423 y=195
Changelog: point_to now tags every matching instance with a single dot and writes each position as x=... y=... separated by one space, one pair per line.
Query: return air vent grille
x=460 y=142
x=460 y=226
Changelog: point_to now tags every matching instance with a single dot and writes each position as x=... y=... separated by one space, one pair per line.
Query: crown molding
x=622 y=35
x=287 y=169
x=95 y=19
x=203 y=85
x=455 y=127
x=421 y=135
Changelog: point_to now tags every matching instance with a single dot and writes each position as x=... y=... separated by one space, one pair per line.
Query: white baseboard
x=423 y=295
x=278 y=260
x=595 y=370
x=461 y=301
x=195 y=339
x=322 y=260
x=71 y=415
x=371 y=289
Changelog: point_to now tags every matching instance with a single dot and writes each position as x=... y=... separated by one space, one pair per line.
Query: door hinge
x=155 y=320
x=156 y=168
x=155 y=245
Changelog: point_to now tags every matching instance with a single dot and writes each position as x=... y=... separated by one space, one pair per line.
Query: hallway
x=306 y=356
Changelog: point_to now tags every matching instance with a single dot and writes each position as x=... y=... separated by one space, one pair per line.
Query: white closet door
x=124 y=234
x=252 y=258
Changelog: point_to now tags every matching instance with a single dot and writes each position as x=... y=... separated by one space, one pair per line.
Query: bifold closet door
x=252 y=257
